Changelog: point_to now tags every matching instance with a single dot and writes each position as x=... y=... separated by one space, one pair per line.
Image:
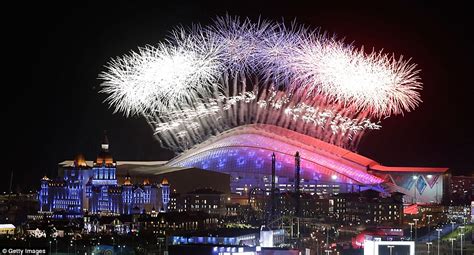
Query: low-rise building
x=368 y=207
x=461 y=190
x=167 y=223
x=205 y=199
x=311 y=205
x=425 y=214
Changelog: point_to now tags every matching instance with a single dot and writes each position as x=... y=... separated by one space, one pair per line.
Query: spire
x=104 y=157
x=105 y=142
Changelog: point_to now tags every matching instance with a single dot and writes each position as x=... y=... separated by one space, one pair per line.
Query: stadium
x=245 y=153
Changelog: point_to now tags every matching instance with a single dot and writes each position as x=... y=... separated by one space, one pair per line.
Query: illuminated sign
x=378 y=247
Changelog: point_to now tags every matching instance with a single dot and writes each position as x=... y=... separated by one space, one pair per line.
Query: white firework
x=157 y=78
x=205 y=80
x=372 y=82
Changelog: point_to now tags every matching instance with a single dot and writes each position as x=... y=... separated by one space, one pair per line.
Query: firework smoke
x=206 y=80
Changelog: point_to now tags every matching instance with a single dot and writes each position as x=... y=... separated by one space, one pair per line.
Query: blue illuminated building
x=246 y=153
x=94 y=189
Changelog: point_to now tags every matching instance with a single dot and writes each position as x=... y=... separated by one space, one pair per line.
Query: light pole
x=439 y=237
x=416 y=228
x=462 y=235
x=317 y=247
x=452 y=226
x=429 y=243
x=411 y=229
x=390 y=247
x=429 y=221
x=452 y=245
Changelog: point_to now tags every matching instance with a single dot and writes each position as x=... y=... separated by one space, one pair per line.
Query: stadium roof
x=293 y=139
x=324 y=157
x=409 y=169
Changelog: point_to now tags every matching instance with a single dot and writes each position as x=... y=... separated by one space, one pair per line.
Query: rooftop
x=221 y=232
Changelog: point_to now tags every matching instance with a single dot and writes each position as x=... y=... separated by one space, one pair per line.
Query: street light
x=462 y=236
x=416 y=228
x=429 y=243
x=452 y=226
x=390 y=247
x=411 y=229
x=429 y=220
x=439 y=232
x=452 y=245
x=317 y=247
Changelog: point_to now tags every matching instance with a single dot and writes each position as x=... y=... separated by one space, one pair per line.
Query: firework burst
x=205 y=80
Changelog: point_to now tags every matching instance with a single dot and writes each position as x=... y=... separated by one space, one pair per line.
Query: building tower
x=43 y=195
x=104 y=167
x=165 y=194
x=297 y=184
x=127 y=195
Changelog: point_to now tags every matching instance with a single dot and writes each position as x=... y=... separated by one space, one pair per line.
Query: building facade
x=311 y=206
x=95 y=189
x=461 y=189
x=204 y=200
x=368 y=208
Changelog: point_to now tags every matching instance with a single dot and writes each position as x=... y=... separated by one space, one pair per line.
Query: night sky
x=59 y=112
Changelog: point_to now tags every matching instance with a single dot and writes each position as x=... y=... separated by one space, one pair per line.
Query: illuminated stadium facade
x=245 y=153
